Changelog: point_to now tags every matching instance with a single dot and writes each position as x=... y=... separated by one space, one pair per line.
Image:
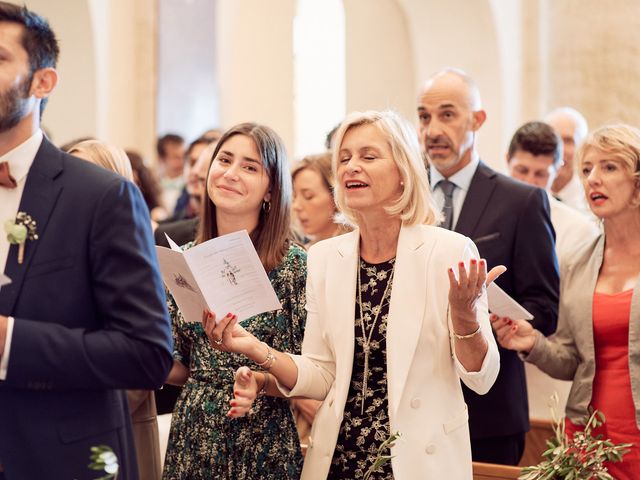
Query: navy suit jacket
x=509 y=223
x=90 y=320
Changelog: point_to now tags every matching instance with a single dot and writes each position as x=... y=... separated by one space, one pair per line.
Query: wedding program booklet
x=223 y=274
x=503 y=305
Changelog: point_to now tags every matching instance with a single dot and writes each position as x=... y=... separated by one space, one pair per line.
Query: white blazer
x=425 y=397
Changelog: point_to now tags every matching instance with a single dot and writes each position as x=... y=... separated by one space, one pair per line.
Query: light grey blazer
x=569 y=354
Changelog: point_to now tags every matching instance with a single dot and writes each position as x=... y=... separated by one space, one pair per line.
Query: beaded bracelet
x=471 y=335
x=269 y=361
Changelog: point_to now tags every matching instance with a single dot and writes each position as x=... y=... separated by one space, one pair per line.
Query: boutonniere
x=20 y=230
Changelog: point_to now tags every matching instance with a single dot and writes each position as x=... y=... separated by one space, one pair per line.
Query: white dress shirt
x=20 y=160
x=461 y=179
x=573 y=195
x=572 y=227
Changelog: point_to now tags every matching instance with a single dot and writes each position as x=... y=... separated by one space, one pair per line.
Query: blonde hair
x=415 y=205
x=104 y=155
x=619 y=140
x=321 y=164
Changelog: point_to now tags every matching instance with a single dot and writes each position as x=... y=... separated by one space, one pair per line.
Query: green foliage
x=581 y=457
x=382 y=457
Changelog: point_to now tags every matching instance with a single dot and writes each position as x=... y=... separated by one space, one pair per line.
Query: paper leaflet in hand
x=223 y=274
x=501 y=304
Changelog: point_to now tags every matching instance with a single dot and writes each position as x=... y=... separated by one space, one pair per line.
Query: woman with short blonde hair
x=597 y=343
x=391 y=328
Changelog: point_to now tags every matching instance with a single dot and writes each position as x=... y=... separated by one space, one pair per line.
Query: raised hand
x=465 y=290
x=245 y=391
x=516 y=335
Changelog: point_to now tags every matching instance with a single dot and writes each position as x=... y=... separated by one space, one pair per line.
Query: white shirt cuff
x=4 y=360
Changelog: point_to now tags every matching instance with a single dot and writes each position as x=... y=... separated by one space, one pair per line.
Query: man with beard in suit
x=85 y=314
x=510 y=224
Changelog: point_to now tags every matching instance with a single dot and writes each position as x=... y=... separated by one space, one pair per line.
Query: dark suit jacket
x=90 y=320
x=510 y=224
x=180 y=231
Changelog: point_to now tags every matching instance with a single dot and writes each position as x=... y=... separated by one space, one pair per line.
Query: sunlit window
x=319 y=69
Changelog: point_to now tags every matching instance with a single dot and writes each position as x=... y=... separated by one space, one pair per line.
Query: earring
x=266 y=207
x=401 y=183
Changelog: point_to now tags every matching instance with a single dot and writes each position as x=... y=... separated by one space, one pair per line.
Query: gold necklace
x=366 y=338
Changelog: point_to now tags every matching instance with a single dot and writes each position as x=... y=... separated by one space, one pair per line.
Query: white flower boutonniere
x=103 y=459
x=20 y=230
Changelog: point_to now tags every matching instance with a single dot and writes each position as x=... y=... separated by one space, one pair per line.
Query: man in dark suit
x=85 y=314
x=510 y=224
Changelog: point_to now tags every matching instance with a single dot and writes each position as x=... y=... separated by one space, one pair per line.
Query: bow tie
x=6 y=180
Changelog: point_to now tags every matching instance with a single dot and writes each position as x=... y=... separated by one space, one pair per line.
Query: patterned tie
x=447 y=188
x=6 y=180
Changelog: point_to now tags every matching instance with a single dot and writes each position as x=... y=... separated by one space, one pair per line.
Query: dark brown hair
x=161 y=144
x=272 y=235
x=38 y=38
x=147 y=181
x=537 y=138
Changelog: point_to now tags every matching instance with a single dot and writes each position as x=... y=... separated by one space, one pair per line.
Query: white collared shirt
x=462 y=180
x=20 y=160
x=573 y=195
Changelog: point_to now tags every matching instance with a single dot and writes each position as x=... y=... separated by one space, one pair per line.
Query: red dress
x=612 y=384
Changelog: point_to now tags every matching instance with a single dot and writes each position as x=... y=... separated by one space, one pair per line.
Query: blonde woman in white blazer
x=433 y=329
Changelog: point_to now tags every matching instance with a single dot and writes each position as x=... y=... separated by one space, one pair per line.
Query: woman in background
x=148 y=185
x=316 y=211
x=142 y=403
x=313 y=201
x=597 y=344
x=248 y=188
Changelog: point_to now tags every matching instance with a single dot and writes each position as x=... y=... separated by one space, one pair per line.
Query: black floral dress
x=361 y=434
x=203 y=442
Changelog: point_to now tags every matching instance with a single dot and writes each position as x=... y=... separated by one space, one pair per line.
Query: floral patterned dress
x=203 y=442
x=362 y=433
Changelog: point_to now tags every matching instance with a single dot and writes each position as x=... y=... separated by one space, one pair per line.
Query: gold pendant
x=366 y=376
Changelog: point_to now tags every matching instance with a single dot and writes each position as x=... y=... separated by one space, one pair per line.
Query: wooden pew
x=491 y=471
x=535 y=441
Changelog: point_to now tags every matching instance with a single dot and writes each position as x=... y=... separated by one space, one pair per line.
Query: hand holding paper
x=503 y=305
x=223 y=275
x=509 y=321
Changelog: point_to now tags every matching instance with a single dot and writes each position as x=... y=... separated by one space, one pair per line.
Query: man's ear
x=43 y=83
x=479 y=116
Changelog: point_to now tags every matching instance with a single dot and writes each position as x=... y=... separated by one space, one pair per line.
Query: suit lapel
x=38 y=200
x=342 y=267
x=408 y=299
x=476 y=200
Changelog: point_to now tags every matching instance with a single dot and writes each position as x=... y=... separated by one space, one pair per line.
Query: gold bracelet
x=262 y=364
x=269 y=361
x=471 y=335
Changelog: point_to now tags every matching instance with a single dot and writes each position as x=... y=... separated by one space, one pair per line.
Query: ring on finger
x=217 y=341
